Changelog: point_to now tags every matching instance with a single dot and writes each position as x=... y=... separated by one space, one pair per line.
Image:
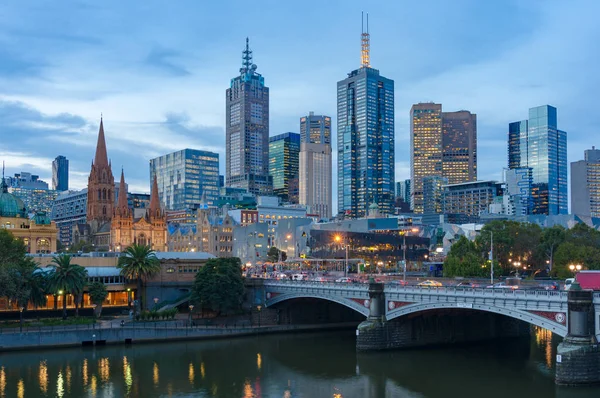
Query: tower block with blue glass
x=365 y=106
x=538 y=144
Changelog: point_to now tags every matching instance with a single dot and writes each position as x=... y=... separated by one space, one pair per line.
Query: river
x=311 y=365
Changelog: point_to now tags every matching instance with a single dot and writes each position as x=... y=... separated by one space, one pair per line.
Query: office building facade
x=186 y=178
x=315 y=179
x=315 y=129
x=433 y=194
x=365 y=139
x=403 y=190
x=442 y=144
x=60 y=173
x=68 y=210
x=284 y=150
x=470 y=199
x=585 y=184
x=537 y=143
x=247 y=130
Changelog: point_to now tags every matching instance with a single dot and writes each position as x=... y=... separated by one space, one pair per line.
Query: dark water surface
x=292 y=365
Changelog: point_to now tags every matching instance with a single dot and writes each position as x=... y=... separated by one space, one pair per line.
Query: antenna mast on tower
x=365 y=39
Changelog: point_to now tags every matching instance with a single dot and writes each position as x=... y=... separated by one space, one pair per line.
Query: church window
x=104 y=210
x=104 y=194
x=99 y=194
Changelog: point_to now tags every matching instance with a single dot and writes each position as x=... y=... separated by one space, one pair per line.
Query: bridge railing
x=361 y=287
x=551 y=295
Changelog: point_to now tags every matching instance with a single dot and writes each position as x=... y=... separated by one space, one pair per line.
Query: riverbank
x=48 y=339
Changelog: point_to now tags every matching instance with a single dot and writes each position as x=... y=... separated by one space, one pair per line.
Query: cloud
x=163 y=59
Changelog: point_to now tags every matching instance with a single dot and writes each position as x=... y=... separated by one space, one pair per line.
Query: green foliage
x=273 y=255
x=581 y=246
x=219 y=285
x=138 y=263
x=98 y=292
x=464 y=259
x=66 y=277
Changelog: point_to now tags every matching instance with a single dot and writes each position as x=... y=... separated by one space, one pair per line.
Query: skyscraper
x=403 y=190
x=585 y=184
x=442 y=144
x=433 y=194
x=247 y=130
x=186 y=178
x=537 y=143
x=284 y=151
x=425 y=149
x=315 y=178
x=60 y=173
x=459 y=146
x=365 y=116
x=315 y=129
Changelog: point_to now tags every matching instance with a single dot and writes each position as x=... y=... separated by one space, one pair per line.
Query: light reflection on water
x=317 y=365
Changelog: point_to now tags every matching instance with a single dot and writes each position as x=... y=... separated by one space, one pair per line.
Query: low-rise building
x=211 y=233
x=250 y=243
x=465 y=202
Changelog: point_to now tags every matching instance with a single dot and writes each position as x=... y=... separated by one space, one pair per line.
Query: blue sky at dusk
x=158 y=71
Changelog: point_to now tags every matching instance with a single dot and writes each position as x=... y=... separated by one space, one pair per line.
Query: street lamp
x=404 y=251
x=258 y=307
x=575 y=267
x=191 y=307
x=338 y=239
x=94 y=309
x=21 y=319
x=155 y=302
x=128 y=297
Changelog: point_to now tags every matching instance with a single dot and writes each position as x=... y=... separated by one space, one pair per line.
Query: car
x=343 y=280
x=467 y=284
x=430 y=283
x=502 y=285
x=320 y=279
x=398 y=282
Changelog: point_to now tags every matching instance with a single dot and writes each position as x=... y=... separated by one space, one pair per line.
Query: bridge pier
x=578 y=356
x=372 y=334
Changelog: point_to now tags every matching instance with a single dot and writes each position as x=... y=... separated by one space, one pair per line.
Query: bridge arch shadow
x=314 y=308
x=513 y=313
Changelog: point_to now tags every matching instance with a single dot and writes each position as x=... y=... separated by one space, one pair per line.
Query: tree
x=139 y=262
x=550 y=240
x=219 y=285
x=273 y=255
x=464 y=259
x=98 y=294
x=66 y=277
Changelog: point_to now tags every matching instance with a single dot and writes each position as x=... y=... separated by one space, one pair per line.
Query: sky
x=157 y=71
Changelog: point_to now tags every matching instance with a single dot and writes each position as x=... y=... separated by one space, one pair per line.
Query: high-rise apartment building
x=186 y=178
x=585 y=184
x=284 y=151
x=403 y=190
x=365 y=117
x=442 y=144
x=459 y=146
x=538 y=144
x=247 y=130
x=315 y=129
x=315 y=178
x=60 y=173
x=465 y=202
x=433 y=194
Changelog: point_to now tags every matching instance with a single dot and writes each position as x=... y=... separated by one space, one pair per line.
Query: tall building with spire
x=101 y=184
x=247 y=130
x=113 y=226
x=365 y=135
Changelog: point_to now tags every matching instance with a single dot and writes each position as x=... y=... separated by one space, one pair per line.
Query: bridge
x=407 y=316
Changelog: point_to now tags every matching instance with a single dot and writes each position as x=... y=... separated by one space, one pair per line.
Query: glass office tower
x=365 y=117
x=538 y=144
x=60 y=173
x=284 y=152
x=186 y=178
x=315 y=129
x=247 y=130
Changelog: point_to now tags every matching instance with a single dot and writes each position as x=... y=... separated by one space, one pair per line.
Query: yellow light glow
x=248 y=393
x=155 y=374
x=104 y=369
x=202 y=372
x=93 y=386
x=60 y=385
x=2 y=382
x=68 y=377
x=84 y=371
x=258 y=361
x=43 y=377
x=20 y=389
x=191 y=373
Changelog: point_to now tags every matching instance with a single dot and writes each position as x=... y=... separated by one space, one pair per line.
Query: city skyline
x=171 y=85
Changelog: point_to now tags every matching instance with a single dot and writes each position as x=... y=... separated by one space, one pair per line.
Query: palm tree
x=139 y=262
x=67 y=278
x=98 y=294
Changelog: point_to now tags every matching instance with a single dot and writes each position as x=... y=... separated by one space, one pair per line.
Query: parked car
x=430 y=283
x=398 y=282
x=467 y=284
x=344 y=280
x=320 y=279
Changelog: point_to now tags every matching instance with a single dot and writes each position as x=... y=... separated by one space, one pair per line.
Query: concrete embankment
x=45 y=339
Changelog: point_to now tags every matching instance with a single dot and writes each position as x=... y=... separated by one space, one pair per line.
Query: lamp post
x=94 y=310
x=258 y=307
x=492 y=257
x=128 y=297
x=155 y=302
x=338 y=239
x=21 y=319
x=191 y=307
x=404 y=251
x=574 y=268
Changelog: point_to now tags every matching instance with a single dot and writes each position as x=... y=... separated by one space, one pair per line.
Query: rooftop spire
x=247 y=66
x=101 y=158
x=154 y=202
x=365 y=39
x=3 y=185
x=122 y=205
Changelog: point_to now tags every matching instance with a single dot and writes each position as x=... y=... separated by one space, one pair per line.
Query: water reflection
x=318 y=365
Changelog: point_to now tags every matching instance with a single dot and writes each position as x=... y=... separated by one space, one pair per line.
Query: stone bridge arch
x=543 y=319
x=360 y=305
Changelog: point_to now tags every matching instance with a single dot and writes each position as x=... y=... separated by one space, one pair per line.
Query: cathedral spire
x=101 y=158
x=122 y=205
x=154 y=201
